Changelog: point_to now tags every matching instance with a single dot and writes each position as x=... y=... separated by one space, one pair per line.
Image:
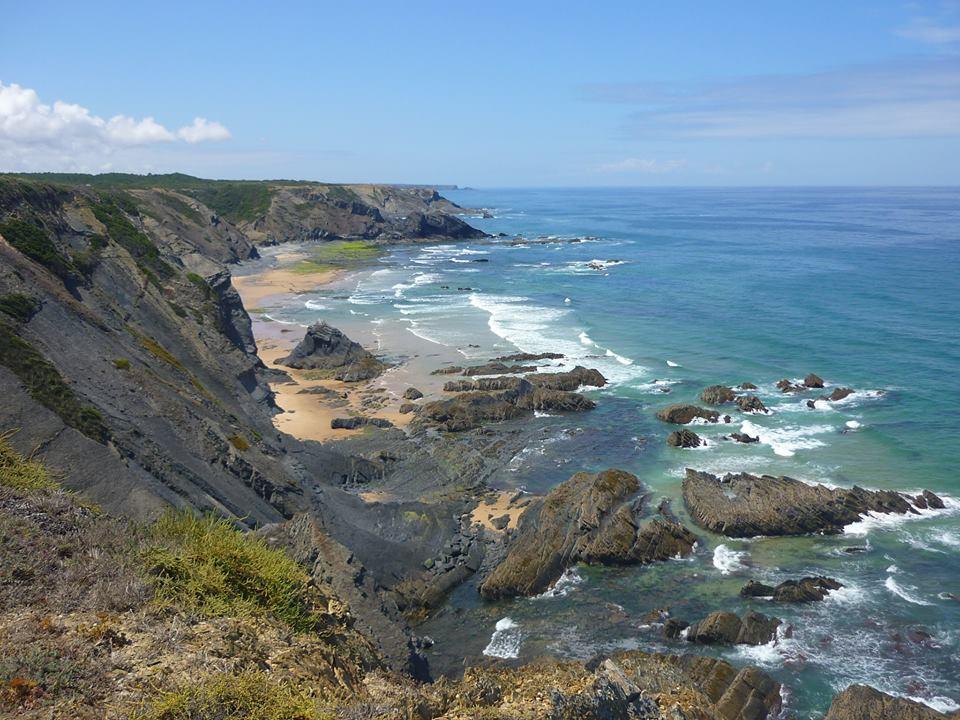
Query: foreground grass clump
x=251 y=695
x=207 y=566
x=22 y=473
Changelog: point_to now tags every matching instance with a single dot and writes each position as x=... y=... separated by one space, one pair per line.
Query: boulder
x=756 y=589
x=592 y=518
x=745 y=505
x=861 y=702
x=717 y=395
x=352 y=423
x=813 y=381
x=747 y=386
x=744 y=438
x=366 y=369
x=681 y=414
x=411 y=393
x=683 y=439
x=449 y=370
x=838 y=394
x=750 y=403
x=927 y=500
x=409 y=407
x=325 y=348
x=788 y=387
x=726 y=628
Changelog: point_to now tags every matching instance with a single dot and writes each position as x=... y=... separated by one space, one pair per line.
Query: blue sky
x=488 y=94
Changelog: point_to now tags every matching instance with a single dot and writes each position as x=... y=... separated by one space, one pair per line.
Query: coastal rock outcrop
x=745 y=505
x=808 y=589
x=683 y=439
x=788 y=386
x=528 y=357
x=744 y=438
x=727 y=628
x=569 y=380
x=862 y=702
x=813 y=381
x=838 y=394
x=718 y=395
x=750 y=403
x=592 y=518
x=353 y=423
x=498 y=368
x=326 y=348
x=681 y=414
x=411 y=393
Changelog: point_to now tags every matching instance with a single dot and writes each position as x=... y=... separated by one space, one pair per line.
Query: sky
x=487 y=94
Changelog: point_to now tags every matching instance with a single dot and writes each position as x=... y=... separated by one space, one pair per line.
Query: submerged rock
x=683 y=439
x=726 y=628
x=589 y=518
x=744 y=438
x=747 y=386
x=745 y=505
x=718 y=395
x=681 y=414
x=861 y=702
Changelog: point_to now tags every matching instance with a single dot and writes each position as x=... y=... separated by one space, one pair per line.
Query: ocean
x=667 y=291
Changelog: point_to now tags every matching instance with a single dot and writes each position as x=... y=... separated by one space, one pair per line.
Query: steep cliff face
x=126 y=354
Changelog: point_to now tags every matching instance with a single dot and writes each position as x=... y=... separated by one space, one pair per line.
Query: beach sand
x=505 y=502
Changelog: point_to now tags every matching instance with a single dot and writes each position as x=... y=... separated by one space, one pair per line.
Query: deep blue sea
x=671 y=290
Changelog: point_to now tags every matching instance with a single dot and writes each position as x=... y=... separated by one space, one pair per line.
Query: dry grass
x=22 y=473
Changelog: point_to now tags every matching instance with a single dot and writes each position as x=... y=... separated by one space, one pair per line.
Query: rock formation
x=683 y=439
x=681 y=414
x=745 y=505
x=326 y=348
x=808 y=589
x=861 y=702
x=717 y=395
x=750 y=403
x=726 y=628
x=589 y=518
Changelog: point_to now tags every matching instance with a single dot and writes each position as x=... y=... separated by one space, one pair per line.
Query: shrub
x=34 y=242
x=239 y=442
x=121 y=364
x=46 y=386
x=250 y=695
x=207 y=566
x=112 y=213
x=237 y=202
x=20 y=307
x=22 y=473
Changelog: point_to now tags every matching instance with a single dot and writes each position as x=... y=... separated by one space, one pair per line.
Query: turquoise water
x=696 y=287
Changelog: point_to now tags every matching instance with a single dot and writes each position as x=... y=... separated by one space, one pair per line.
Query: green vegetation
x=188 y=211
x=337 y=254
x=121 y=364
x=19 y=307
x=205 y=565
x=46 y=386
x=250 y=695
x=339 y=192
x=239 y=442
x=111 y=212
x=237 y=202
x=35 y=242
x=22 y=473
x=159 y=351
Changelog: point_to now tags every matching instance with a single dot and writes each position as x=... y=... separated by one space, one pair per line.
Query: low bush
x=19 y=307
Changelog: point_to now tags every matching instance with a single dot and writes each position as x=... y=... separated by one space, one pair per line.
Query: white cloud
x=64 y=136
x=642 y=165
x=930 y=32
x=203 y=130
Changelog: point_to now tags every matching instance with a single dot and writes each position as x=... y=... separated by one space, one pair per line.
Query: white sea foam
x=854 y=424
x=786 y=441
x=889 y=521
x=564 y=585
x=314 y=305
x=940 y=703
x=619 y=358
x=585 y=339
x=505 y=641
x=903 y=592
x=567 y=301
x=727 y=560
x=671 y=363
x=849 y=594
x=278 y=320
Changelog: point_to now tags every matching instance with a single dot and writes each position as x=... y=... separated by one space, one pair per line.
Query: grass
x=206 y=566
x=19 y=307
x=237 y=202
x=35 y=242
x=121 y=363
x=112 y=212
x=337 y=254
x=22 y=473
x=239 y=442
x=159 y=351
x=183 y=208
x=46 y=386
x=250 y=695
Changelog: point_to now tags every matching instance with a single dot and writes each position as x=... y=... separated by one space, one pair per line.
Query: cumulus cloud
x=915 y=98
x=643 y=165
x=203 y=130
x=65 y=136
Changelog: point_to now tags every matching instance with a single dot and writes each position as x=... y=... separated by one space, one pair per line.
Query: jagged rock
x=588 y=518
x=750 y=403
x=681 y=414
x=788 y=387
x=861 y=702
x=366 y=369
x=325 y=348
x=745 y=505
x=728 y=629
x=717 y=395
x=570 y=380
x=808 y=589
x=501 y=522
x=838 y=394
x=411 y=393
x=352 y=423
x=547 y=400
x=744 y=438
x=756 y=589
x=527 y=357
x=497 y=368
x=683 y=439
x=451 y=370
x=674 y=628
x=471 y=410
x=747 y=386
x=813 y=381
x=927 y=500
x=409 y=407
